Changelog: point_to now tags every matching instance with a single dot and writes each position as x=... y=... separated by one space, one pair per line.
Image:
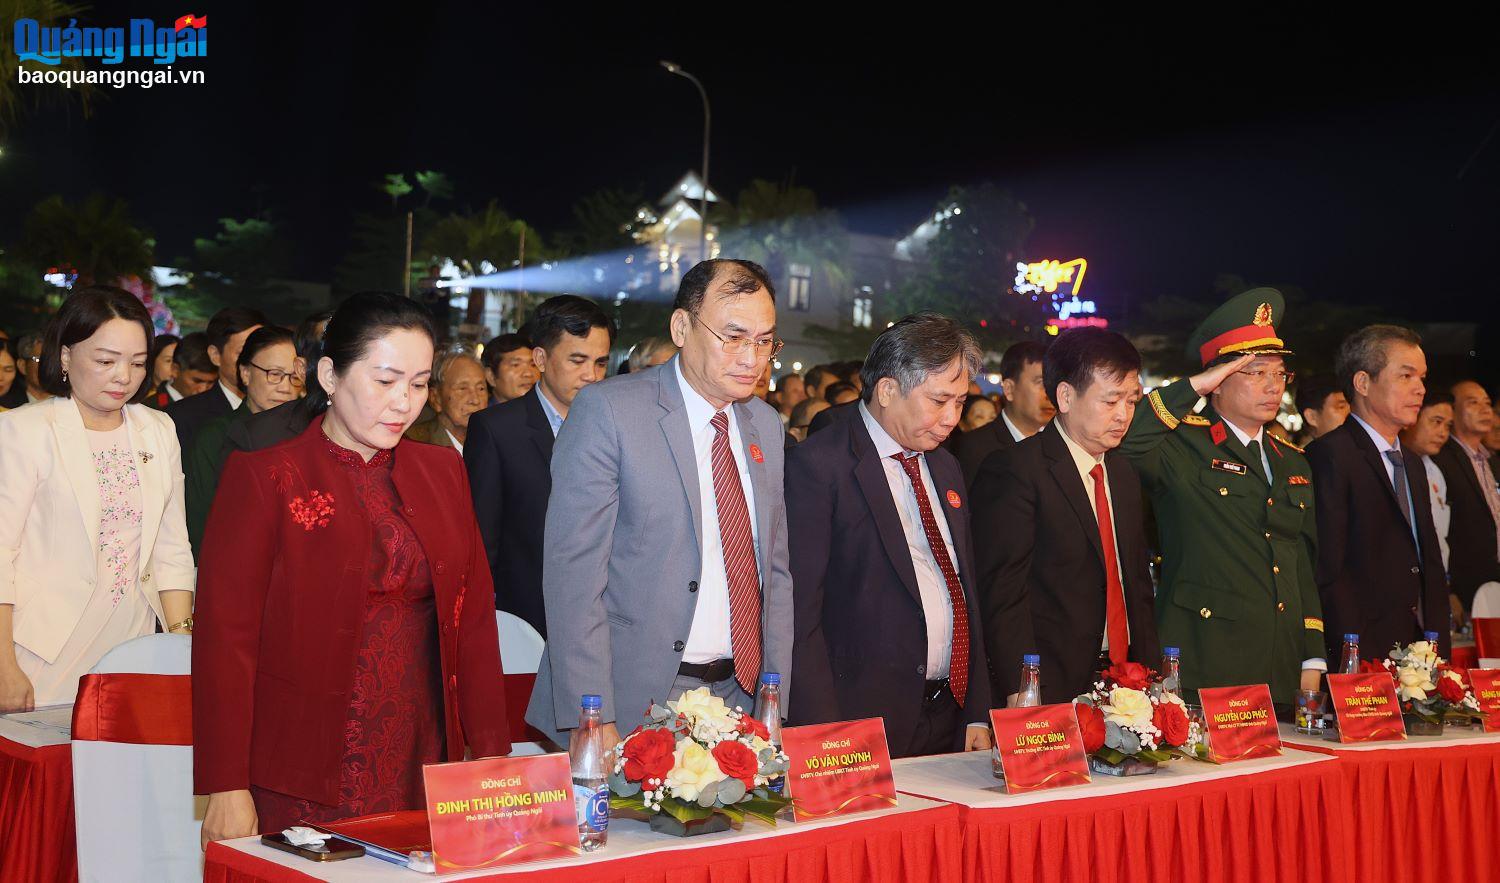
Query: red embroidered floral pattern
x=314 y=511
x=395 y=719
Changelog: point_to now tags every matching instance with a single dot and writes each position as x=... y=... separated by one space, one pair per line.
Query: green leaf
x=634 y=802
x=709 y=794
x=684 y=812
x=622 y=786
x=1109 y=755
x=764 y=810
x=1154 y=756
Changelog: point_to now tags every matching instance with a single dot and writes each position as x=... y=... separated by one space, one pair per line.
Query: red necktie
x=1114 y=593
x=958 y=660
x=739 y=559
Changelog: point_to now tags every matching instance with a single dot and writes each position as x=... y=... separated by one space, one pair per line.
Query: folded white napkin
x=300 y=836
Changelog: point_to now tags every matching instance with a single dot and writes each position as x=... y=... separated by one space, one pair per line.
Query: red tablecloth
x=1418 y=813
x=36 y=814
x=1274 y=825
x=915 y=846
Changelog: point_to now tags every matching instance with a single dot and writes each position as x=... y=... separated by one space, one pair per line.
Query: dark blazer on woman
x=280 y=606
x=1472 y=559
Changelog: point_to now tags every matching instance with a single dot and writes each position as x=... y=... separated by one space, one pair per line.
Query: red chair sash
x=139 y=709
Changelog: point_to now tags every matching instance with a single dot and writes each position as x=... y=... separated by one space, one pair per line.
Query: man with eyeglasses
x=665 y=562
x=1234 y=510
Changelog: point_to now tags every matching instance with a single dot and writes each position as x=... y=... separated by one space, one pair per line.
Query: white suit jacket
x=49 y=517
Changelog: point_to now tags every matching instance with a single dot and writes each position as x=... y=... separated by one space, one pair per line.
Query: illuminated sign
x=1062 y=281
x=1057 y=326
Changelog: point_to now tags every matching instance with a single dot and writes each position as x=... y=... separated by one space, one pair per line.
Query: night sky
x=1297 y=153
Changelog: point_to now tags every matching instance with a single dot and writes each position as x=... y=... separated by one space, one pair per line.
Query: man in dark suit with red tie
x=1380 y=568
x=1060 y=532
x=881 y=560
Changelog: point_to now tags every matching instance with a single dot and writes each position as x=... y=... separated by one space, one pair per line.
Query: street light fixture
x=673 y=68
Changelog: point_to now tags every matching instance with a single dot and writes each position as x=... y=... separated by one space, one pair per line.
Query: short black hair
x=1078 y=354
x=230 y=321
x=1019 y=355
x=1313 y=392
x=816 y=374
x=1367 y=350
x=80 y=316
x=567 y=314
x=498 y=347
x=358 y=322
x=259 y=340
x=838 y=388
x=192 y=354
x=744 y=277
x=1436 y=396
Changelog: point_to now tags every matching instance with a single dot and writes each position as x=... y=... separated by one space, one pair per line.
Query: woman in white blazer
x=93 y=539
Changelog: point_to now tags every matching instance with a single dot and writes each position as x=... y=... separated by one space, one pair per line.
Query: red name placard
x=1040 y=747
x=1486 y=684
x=838 y=768
x=500 y=811
x=1241 y=723
x=1367 y=707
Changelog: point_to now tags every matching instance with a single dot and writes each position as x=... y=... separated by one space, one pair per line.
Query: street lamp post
x=674 y=68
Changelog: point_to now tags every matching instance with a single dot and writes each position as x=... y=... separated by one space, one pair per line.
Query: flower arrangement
x=1430 y=691
x=1127 y=726
x=698 y=761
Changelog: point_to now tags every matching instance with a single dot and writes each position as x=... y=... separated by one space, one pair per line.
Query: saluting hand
x=1208 y=380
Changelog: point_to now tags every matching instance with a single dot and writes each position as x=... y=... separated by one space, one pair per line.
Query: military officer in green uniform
x=1234 y=509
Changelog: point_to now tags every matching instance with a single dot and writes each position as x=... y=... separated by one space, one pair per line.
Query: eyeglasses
x=1283 y=378
x=273 y=375
x=766 y=347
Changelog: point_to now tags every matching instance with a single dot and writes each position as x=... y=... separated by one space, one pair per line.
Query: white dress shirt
x=708 y=638
x=233 y=397
x=1015 y=434
x=1442 y=510
x=1383 y=446
x=453 y=440
x=554 y=417
x=173 y=394
x=1086 y=463
x=937 y=608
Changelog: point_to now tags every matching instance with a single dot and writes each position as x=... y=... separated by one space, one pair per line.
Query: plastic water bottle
x=590 y=785
x=1349 y=660
x=1171 y=671
x=768 y=712
x=1431 y=638
x=1028 y=695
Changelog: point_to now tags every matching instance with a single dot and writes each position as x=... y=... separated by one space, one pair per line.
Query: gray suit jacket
x=621 y=551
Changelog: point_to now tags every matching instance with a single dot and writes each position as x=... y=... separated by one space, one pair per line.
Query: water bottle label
x=592 y=807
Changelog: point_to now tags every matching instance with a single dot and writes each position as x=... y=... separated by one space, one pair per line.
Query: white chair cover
x=520 y=653
x=136 y=815
x=1487 y=600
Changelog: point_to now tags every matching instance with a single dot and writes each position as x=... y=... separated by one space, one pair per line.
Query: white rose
x=1128 y=708
x=702 y=707
x=693 y=768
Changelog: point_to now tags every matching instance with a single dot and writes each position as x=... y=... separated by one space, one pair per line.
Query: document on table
x=48 y=725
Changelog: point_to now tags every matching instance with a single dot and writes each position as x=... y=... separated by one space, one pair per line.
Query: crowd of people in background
x=335 y=511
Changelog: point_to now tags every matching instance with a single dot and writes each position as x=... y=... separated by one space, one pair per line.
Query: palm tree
x=16 y=100
x=472 y=239
x=96 y=238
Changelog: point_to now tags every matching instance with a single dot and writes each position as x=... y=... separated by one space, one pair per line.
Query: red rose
x=648 y=755
x=737 y=761
x=752 y=727
x=1450 y=690
x=1091 y=725
x=1131 y=675
x=1172 y=721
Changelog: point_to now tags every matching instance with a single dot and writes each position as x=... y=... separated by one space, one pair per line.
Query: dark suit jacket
x=1041 y=571
x=830 y=415
x=861 y=648
x=280 y=608
x=1370 y=575
x=285 y=421
x=972 y=448
x=191 y=413
x=1472 y=559
x=508 y=452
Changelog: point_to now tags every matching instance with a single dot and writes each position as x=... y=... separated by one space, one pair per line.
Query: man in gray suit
x=665 y=552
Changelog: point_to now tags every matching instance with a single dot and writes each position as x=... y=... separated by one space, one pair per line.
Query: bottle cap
x=1172 y=652
x=1031 y=659
x=592 y=702
x=1351 y=638
x=1430 y=636
x=771 y=677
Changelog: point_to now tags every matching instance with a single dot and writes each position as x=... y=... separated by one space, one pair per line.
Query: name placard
x=1040 y=747
x=1366 y=707
x=838 y=768
x=1486 y=685
x=500 y=811
x=1241 y=722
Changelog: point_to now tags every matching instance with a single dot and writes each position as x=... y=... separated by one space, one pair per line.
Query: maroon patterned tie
x=739 y=559
x=958 y=662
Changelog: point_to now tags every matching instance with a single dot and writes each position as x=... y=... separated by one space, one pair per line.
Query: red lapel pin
x=1217 y=433
x=953 y=499
x=756 y=455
